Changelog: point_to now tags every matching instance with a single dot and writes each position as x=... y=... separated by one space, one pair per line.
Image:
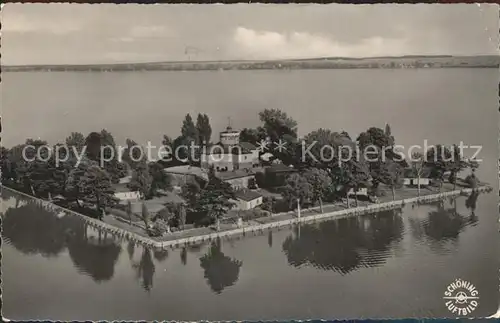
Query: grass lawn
x=400 y=193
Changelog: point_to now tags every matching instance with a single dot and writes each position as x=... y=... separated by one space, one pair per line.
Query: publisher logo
x=461 y=297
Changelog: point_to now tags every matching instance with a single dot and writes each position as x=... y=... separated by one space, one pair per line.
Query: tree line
x=332 y=178
x=314 y=182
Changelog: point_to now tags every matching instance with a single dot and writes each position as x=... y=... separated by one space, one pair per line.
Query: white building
x=247 y=200
x=411 y=179
x=238 y=179
x=123 y=193
x=363 y=191
x=229 y=153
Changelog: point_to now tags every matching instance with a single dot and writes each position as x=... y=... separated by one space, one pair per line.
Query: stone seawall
x=355 y=211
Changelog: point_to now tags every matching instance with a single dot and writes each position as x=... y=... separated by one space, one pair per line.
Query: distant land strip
x=490 y=61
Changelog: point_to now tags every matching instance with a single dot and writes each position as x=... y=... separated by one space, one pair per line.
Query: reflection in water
x=130 y=249
x=160 y=254
x=195 y=248
x=445 y=223
x=145 y=269
x=471 y=202
x=342 y=245
x=184 y=256
x=32 y=228
x=346 y=244
x=220 y=270
x=94 y=256
x=9 y=196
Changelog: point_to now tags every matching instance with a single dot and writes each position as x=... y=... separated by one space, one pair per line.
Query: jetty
x=158 y=243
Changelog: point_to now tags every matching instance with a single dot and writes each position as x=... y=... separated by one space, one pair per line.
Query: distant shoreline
x=402 y=62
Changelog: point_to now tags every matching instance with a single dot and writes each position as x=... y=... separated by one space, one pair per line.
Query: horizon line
x=253 y=60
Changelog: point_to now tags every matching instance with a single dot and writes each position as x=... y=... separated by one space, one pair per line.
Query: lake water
x=388 y=265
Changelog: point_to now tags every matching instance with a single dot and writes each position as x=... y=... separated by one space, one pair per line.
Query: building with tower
x=230 y=154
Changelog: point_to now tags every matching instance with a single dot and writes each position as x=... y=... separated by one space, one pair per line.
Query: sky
x=110 y=33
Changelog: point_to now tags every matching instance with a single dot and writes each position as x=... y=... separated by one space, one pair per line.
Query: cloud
x=274 y=45
x=84 y=33
x=149 y=31
x=17 y=23
x=122 y=39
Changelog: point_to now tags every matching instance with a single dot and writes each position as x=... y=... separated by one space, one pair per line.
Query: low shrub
x=159 y=228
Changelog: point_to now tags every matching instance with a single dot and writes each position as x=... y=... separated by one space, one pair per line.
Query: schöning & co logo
x=461 y=297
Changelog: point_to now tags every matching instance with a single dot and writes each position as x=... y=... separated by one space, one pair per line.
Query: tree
x=95 y=188
x=93 y=144
x=457 y=164
x=252 y=183
x=442 y=159
x=321 y=184
x=189 y=131
x=268 y=203
x=278 y=124
x=345 y=134
x=73 y=191
x=319 y=157
x=388 y=133
x=191 y=192
x=37 y=169
x=141 y=180
x=133 y=154
x=129 y=212
x=390 y=174
x=297 y=188
x=159 y=179
x=46 y=177
x=181 y=209
x=376 y=137
x=169 y=156
x=101 y=147
x=216 y=199
x=145 y=216
x=438 y=158
x=181 y=149
x=352 y=174
x=204 y=129
x=381 y=144
x=6 y=165
x=338 y=145
x=253 y=136
x=472 y=180
x=280 y=128
x=75 y=141
x=109 y=154
x=107 y=139
x=174 y=214
x=166 y=213
x=166 y=141
x=417 y=165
